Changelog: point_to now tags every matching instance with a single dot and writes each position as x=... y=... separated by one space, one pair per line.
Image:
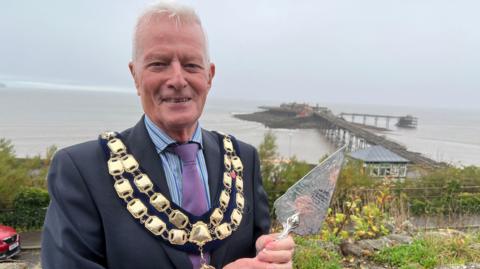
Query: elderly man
x=164 y=193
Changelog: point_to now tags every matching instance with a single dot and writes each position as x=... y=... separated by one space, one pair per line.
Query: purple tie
x=193 y=191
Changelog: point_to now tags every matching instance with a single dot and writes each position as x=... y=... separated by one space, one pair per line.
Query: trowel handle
x=288 y=226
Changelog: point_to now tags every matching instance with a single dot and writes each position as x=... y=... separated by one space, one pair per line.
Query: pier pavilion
x=381 y=162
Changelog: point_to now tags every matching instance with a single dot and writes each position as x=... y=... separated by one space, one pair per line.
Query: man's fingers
x=256 y=264
x=275 y=256
x=263 y=240
x=280 y=266
x=284 y=244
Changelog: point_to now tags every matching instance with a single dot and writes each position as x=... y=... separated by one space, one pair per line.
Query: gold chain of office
x=199 y=233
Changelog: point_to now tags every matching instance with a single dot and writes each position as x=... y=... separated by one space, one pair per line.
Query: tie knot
x=186 y=152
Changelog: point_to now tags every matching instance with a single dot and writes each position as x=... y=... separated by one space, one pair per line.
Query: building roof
x=377 y=154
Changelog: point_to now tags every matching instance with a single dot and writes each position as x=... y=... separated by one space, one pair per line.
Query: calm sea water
x=35 y=119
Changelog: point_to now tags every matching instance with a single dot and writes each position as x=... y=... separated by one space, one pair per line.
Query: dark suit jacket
x=87 y=226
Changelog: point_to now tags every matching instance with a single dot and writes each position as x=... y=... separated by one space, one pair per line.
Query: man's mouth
x=176 y=100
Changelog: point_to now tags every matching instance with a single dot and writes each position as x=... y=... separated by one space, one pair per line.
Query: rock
x=408 y=227
x=454 y=232
x=328 y=246
x=400 y=238
x=468 y=266
x=475 y=246
x=13 y=265
x=352 y=249
x=375 y=244
x=390 y=226
x=445 y=234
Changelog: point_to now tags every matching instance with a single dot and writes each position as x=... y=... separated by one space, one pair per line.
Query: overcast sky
x=399 y=52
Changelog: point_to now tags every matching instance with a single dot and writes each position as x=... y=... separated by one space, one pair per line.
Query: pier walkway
x=340 y=132
x=336 y=129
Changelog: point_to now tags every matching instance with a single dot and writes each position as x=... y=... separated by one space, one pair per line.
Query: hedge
x=29 y=208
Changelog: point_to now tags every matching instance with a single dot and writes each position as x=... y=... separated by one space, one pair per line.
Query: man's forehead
x=161 y=29
x=167 y=30
x=163 y=20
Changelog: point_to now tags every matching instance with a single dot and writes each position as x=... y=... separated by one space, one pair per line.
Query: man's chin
x=181 y=125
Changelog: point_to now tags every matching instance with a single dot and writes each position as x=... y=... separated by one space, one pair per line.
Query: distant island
x=2 y=85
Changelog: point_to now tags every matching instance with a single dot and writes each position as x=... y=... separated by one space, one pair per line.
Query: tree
x=278 y=174
x=12 y=174
x=267 y=152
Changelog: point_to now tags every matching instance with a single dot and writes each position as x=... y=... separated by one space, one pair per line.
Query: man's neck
x=181 y=136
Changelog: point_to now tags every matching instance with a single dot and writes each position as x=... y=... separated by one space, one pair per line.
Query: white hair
x=173 y=10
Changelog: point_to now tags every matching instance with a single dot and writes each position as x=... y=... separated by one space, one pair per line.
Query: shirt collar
x=161 y=140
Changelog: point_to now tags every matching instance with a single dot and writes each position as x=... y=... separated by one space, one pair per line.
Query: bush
x=18 y=173
x=278 y=174
x=461 y=203
x=12 y=174
x=29 y=209
x=309 y=254
x=431 y=252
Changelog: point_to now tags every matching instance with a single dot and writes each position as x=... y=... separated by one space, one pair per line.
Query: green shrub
x=309 y=254
x=18 y=173
x=430 y=252
x=461 y=203
x=29 y=209
x=408 y=256
x=12 y=174
x=278 y=174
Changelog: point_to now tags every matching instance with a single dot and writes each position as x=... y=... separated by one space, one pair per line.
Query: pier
x=407 y=121
x=336 y=129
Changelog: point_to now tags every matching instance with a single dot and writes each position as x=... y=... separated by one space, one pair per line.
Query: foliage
x=267 y=152
x=445 y=191
x=12 y=174
x=278 y=175
x=442 y=177
x=16 y=173
x=309 y=254
x=430 y=252
x=350 y=181
x=417 y=253
x=461 y=203
x=29 y=209
x=357 y=222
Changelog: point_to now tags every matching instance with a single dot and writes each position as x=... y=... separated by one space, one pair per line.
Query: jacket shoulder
x=244 y=147
x=87 y=150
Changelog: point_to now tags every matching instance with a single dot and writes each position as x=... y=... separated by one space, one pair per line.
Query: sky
x=393 y=52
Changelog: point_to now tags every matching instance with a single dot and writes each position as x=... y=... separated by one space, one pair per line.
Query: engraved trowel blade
x=310 y=196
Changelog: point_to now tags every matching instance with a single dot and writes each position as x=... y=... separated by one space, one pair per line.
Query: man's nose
x=177 y=79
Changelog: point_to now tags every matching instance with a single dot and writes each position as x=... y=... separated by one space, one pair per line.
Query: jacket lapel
x=141 y=146
x=211 y=152
x=214 y=161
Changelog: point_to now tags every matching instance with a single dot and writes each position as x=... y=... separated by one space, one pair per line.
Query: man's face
x=172 y=75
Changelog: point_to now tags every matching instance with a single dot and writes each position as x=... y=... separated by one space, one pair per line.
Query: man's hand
x=271 y=254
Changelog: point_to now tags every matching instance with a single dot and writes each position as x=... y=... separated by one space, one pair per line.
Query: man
x=92 y=224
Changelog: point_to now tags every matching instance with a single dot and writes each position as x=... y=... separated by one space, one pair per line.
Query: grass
x=430 y=252
x=424 y=253
x=310 y=255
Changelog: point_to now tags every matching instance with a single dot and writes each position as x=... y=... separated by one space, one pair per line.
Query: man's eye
x=192 y=66
x=157 y=64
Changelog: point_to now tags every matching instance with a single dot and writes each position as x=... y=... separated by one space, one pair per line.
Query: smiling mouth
x=176 y=100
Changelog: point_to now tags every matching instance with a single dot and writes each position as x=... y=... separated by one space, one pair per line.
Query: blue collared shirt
x=172 y=165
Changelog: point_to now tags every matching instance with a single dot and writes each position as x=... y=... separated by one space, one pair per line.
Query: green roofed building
x=381 y=162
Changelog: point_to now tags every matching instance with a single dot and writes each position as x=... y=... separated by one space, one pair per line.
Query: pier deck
x=336 y=129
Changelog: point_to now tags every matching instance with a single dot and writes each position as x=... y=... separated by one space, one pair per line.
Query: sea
x=35 y=119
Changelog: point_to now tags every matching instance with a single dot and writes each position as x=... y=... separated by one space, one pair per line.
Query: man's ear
x=131 y=66
x=211 y=74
